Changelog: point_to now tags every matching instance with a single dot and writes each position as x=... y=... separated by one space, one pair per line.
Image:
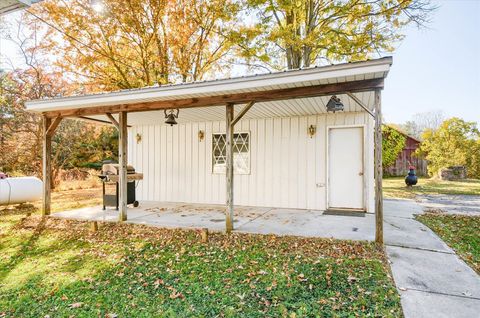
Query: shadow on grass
x=24 y=251
x=41 y=257
x=22 y=209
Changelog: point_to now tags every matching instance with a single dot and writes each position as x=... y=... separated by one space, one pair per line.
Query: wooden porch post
x=47 y=166
x=229 y=165
x=122 y=161
x=49 y=128
x=378 y=168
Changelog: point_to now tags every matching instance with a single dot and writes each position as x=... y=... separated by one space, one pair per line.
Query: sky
x=436 y=68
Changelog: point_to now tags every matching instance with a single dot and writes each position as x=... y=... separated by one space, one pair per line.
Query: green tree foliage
x=455 y=143
x=392 y=144
x=77 y=144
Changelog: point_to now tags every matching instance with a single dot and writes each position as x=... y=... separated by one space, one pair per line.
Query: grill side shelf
x=130 y=177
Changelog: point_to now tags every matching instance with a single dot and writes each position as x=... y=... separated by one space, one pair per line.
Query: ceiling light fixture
x=171 y=117
x=334 y=104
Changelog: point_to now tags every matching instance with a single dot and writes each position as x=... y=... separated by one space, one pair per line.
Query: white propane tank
x=20 y=190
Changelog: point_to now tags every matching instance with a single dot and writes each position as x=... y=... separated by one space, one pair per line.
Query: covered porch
x=260 y=220
x=298 y=100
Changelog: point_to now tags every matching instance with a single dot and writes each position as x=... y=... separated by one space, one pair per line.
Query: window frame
x=235 y=171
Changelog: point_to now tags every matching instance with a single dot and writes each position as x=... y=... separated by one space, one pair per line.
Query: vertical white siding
x=287 y=167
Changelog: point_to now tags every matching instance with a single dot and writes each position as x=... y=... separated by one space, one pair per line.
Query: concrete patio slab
x=421 y=304
x=433 y=272
x=246 y=219
x=98 y=214
x=313 y=224
x=196 y=216
x=169 y=215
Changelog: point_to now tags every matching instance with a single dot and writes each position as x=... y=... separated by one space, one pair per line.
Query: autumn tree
x=22 y=130
x=75 y=143
x=135 y=43
x=200 y=39
x=300 y=33
x=455 y=143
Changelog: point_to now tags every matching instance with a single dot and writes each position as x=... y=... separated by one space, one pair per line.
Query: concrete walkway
x=452 y=204
x=432 y=280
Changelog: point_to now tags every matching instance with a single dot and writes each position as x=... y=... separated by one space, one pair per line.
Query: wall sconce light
x=201 y=135
x=312 y=130
x=139 y=138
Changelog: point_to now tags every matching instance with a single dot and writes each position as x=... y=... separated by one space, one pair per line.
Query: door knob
x=360 y=173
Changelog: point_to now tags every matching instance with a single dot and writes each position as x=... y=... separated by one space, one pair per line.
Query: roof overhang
x=358 y=77
x=7 y=6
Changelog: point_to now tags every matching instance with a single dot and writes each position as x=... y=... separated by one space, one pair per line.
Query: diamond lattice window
x=241 y=153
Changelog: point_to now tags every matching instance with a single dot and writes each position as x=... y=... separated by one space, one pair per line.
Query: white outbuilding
x=307 y=139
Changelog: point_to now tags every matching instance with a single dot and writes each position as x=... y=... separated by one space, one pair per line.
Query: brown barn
x=407 y=157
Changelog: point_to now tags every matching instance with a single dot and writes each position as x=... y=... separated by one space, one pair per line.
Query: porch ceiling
x=290 y=93
x=281 y=108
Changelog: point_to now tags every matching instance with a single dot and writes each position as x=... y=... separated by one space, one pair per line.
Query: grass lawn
x=74 y=199
x=462 y=233
x=395 y=187
x=57 y=268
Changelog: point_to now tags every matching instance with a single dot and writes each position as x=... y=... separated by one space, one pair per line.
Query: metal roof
x=332 y=74
x=7 y=6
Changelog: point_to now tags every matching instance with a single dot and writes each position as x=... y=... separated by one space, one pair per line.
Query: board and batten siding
x=288 y=169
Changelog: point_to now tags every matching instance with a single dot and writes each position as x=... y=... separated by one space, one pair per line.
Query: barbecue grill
x=110 y=175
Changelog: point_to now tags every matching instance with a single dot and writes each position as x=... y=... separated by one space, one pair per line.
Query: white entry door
x=345 y=171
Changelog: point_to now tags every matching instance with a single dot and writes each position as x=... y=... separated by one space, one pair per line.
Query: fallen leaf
x=175 y=295
x=351 y=279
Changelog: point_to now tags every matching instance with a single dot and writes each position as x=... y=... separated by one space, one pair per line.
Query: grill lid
x=114 y=168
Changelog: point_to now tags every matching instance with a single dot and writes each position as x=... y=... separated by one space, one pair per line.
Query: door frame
x=364 y=160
